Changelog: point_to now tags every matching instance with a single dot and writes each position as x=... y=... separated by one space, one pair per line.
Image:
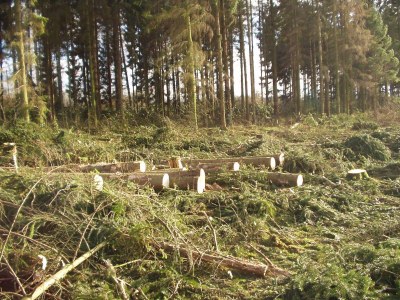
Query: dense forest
x=81 y=60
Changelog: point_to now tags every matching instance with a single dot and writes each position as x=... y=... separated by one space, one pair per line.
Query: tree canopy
x=83 y=60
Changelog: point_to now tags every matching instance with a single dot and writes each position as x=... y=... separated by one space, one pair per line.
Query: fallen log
x=219 y=166
x=279 y=159
x=186 y=179
x=41 y=289
x=221 y=261
x=357 y=174
x=122 y=167
x=256 y=161
x=158 y=181
x=285 y=179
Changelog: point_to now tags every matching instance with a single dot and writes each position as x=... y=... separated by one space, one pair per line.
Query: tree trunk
x=225 y=59
x=125 y=68
x=251 y=58
x=60 y=100
x=117 y=60
x=220 y=65
x=191 y=86
x=274 y=62
x=321 y=67
x=21 y=59
x=221 y=261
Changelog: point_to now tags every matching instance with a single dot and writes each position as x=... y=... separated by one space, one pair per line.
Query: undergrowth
x=338 y=239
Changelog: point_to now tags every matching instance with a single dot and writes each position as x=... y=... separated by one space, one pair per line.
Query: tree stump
x=357 y=174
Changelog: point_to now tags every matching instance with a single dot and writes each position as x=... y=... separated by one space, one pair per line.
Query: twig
x=119 y=282
x=86 y=228
x=213 y=230
x=63 y=272
x=15 y=275
x=16 y=216
x=262 y=254
x=175 y=292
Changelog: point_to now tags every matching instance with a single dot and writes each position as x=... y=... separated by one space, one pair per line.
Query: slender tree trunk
x=117 y=60
x=60 y=100
x=251 y=58
x=49 y=78
x=220 y=65
x=321 y=67
x=21 y=59
x=225 y=61
x=231 y=70
x=337 y=75
x=191 y=88
x=274 y=62
x=109 y=60
x=243 y=67
x=125 y=67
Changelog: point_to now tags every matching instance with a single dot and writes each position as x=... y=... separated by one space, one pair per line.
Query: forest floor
x=338 y=238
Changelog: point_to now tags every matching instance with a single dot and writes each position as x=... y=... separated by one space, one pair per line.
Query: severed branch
x=63 y=272
x=119 y=282
x=239 y=265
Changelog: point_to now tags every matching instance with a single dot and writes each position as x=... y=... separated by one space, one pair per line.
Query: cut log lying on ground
x=279 y=159
x=256 y=161
x=219 y=166
x=172 y=163
x=158 y=181
x=236 y=264
x=192 y=179
x=123 y=167
x=357 y=174
x=285 y=179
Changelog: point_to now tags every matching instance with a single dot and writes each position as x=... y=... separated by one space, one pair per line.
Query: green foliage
x=366 y=146
x=361 y=125
x=329 y=280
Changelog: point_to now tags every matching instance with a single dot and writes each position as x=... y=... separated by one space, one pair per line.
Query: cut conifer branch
x=41 y=289
x=285 y=179
x=239 y=265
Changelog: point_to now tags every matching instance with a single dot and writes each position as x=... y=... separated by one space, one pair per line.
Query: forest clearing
x=244 y=237
x=200 y=149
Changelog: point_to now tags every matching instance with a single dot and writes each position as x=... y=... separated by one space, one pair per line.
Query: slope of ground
x=338 y=238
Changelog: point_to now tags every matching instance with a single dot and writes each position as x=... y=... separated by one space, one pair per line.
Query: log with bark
x=185 y=179
x=285 y=179
x=256 y=161
x=279 y=159
x=222 y=261
x=122 y=167
x=158 y=181
x=219 y=166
